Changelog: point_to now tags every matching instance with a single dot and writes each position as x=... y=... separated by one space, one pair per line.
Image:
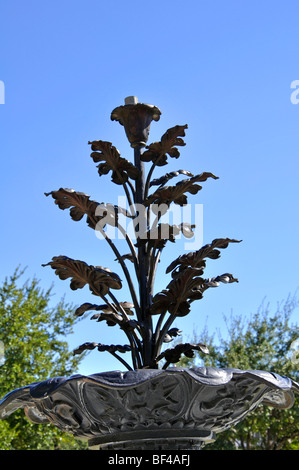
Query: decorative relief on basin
x=174 y=404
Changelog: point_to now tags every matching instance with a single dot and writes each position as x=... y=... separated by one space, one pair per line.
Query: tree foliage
x=33 y=348
x=263 y=341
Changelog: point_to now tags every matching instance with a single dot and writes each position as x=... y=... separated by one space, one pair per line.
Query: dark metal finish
x=136 y=119
x=152 y=406
x=145 y=209
x=144 y=281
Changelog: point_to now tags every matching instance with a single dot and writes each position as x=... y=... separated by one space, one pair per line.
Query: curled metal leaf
x=111 y=318
x=173 y=355
x=215 y=281
x=172 y=333
x=78 y=203
x=126 y=306
x=85 y=307
x=157 y=152
x=176 y=194
x=186 y=287
x=121 y=168
x=166 y=300
x=84 y=347
x=127 y=256
x=102 y=347
x=99 y=279
x=164 y=179
x=197 y=258
x=176 y=297
x=114 y=348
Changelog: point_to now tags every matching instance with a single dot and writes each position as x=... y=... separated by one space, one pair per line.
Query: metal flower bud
x=136 y=119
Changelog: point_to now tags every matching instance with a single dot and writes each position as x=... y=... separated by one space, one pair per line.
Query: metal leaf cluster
x=187 y=283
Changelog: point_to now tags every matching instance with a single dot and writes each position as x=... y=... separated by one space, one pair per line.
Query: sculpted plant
x=148 y=200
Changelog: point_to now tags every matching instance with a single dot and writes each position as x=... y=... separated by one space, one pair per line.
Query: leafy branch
x=187 y=284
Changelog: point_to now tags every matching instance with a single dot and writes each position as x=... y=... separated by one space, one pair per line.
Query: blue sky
x=223 y=68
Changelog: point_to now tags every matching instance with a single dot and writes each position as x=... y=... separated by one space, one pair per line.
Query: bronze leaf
x=78 y=203
x=85 y=307
x=196 y=258
x=187 y=286
x=157 y=152
x=121 y=168
x=164 y=179
x=176 y=194
x=173 y=355
x=99 y=279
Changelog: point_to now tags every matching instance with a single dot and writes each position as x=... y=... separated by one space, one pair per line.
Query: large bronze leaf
x=187 y=284
x=80 y=205
x=176 y=297
x=186 y=287
x=157 y=152
x=166 y=301
x=121 y=168
x=99 y=279
x=196 y=258
x=168 y=194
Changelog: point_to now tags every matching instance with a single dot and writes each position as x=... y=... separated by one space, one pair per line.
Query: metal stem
x=143 y=257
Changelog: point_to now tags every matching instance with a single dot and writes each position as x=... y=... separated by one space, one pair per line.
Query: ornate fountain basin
x=148 y=408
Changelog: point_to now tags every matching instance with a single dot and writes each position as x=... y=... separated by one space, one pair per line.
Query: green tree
x=264 y=341
x=33 y=348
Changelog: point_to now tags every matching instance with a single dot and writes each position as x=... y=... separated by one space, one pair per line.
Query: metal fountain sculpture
x=151 y=405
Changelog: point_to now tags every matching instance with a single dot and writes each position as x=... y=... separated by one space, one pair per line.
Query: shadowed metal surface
x=176 y=405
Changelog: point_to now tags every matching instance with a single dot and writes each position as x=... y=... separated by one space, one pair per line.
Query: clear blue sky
x=224 y=68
